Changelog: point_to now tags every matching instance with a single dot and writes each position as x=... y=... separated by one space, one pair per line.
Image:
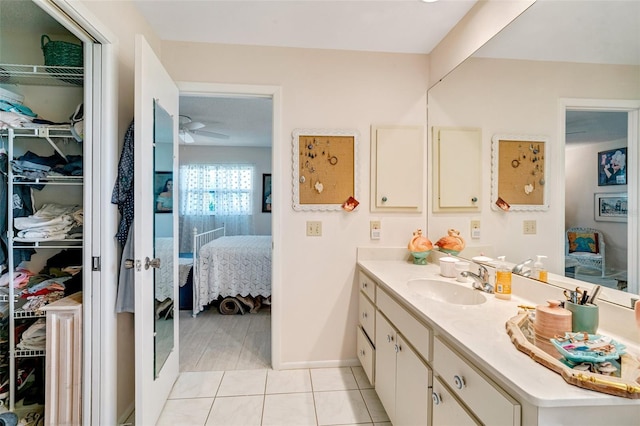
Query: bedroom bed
x=164 y=275
x=229 y=266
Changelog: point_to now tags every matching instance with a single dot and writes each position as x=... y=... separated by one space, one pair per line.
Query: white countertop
x=479 y=331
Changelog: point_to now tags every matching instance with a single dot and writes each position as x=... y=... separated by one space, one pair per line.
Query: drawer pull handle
x=364 y=315
x=436 y=398
x=389 y=338
x=398 y=348
x=459 y=382
x=364 y=285
x=362 y=352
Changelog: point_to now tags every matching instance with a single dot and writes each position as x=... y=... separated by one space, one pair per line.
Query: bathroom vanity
x=438 y=353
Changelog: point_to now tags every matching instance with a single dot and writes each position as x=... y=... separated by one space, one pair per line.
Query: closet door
x=154 y=88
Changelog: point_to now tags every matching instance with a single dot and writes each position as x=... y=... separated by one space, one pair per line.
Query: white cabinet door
x=152 y=83
x=386 y=364
x=457 y=169
x=413 y=396
x=397 y=164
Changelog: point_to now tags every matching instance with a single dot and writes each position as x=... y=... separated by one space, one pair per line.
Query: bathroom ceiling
x=397 y=26
x=403 y=26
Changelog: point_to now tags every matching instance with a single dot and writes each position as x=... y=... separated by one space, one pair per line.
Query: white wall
x=581 y=183
x=259 y=157
x=328 y=90
x=520 y=97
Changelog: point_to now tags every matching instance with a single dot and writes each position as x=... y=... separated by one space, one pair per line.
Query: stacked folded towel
x=51 y=222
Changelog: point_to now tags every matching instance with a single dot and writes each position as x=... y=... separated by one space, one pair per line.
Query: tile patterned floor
x=265 y=397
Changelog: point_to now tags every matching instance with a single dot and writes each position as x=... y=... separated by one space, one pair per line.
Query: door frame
x=632 y=107
x=100 y=352
x=277 y=154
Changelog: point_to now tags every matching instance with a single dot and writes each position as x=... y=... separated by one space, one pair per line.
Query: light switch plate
x=314 y=229
x=475 y=229
x=374 y=228
x=529 y=227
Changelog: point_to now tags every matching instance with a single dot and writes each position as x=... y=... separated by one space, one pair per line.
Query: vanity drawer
x=416 y=333
x=446 y=408
x=367 y=285
x=488 y=402
x=367 y=317
x=366 y=354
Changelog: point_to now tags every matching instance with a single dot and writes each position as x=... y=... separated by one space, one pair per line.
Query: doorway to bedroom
x=225 y=202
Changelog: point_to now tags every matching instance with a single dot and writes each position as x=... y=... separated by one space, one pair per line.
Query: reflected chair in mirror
x=585 y=247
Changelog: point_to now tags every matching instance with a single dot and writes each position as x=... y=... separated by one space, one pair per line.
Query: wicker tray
x=625 y=382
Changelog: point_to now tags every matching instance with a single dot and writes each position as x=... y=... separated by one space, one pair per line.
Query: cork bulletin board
x=324 y=168
x=519 y=172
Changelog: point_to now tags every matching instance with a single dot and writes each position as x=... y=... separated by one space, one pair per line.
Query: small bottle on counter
x=503 y=280
x=539 y=270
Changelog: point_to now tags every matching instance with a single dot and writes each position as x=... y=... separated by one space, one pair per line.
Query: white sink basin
x=447 y=292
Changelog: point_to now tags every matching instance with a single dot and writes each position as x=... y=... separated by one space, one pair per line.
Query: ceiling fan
x=188 y=128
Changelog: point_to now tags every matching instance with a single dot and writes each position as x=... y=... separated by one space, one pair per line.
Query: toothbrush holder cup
x=583 y=317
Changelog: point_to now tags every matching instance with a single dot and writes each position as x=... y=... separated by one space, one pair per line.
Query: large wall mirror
x=163 y=240
x=551 y=72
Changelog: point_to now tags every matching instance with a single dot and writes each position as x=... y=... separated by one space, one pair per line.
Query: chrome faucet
x=521 y=270
x=480 y=280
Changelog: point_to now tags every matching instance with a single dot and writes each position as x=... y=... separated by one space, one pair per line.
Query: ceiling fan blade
x=215 y=135
x=193 y=125
x=185 y=137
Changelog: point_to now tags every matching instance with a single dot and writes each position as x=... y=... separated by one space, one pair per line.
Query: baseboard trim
x=353 y=362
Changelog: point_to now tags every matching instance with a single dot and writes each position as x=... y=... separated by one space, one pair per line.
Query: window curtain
x=215 y=195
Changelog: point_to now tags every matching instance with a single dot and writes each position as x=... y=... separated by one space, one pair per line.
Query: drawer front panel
x=416 y=333
x=367 y=285
x=366 y=355
x=367 y=317
x=487 y=401
x=446 y=408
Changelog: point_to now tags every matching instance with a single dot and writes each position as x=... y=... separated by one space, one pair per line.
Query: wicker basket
x=61 y=53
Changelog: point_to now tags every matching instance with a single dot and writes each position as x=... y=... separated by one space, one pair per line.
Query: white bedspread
x=231 y=266
x=164 y=275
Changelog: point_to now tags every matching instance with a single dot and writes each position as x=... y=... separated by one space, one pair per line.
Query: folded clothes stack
x=34 y=338
x=34 y=166
x=51 y=222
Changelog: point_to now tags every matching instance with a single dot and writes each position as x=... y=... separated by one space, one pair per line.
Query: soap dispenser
x=539 y=270
x=503 y=280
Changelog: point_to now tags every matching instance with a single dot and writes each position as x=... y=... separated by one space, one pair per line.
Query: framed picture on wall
x=611 y=207
x=266 y=193
x=612 y=167
x=163 y=191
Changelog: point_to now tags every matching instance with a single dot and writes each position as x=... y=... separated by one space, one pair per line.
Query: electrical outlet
x=374 y=228
x=475 y=229
x=529 y=227
x=314 y=228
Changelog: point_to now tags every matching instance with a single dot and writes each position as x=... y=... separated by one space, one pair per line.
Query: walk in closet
x=44 y=191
